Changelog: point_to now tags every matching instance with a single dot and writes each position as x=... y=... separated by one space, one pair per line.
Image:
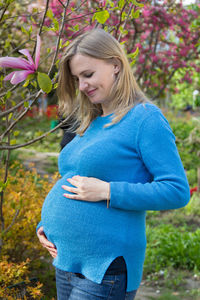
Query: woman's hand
x=87 y=189
x=45 y=243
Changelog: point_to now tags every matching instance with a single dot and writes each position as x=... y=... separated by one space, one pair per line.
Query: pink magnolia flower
x=28 y=66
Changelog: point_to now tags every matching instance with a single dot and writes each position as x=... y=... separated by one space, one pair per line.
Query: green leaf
x=44 y=82
x=34 y=84
x=102 y=16
x=13 y=142
x=26 y=83
x=60 y=44
x=26 y=104
x=76 y=27
x=8 y=95
x=16 y=133
x=24 y=30
x=121 y=3
x=134 y=54
x=10 y=116
x=137 y=3
x=55 y=86
x=123 y=31
x=38 y=133
x=132 y=63
x=57 y=62
x=124 y=16
x=33 y=20
x=111 y=3
x=3 y=185
x=45 y=28
x=49 y=14
x=56 y=25
x=136 y=14
x=7 y=44
x=30 y=29
x=66 y=44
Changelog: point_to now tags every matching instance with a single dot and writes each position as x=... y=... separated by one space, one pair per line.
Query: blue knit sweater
x=139 y=158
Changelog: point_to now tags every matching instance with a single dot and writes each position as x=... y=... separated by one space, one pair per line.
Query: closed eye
x=89 y=75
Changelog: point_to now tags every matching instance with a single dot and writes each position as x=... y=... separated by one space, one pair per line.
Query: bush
x=22 y=252
x=172 y=247
x=187 y=139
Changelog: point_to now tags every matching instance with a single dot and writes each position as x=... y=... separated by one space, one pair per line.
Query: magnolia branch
x=3 y=12
x=44 y=16
x=10 y=90
x=19 y=117
x=8 y=147
x=15 y=107
x=5 y=177
x=59 y=36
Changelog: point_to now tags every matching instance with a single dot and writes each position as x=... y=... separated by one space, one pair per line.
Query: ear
x=116 y=69
x=117 y=65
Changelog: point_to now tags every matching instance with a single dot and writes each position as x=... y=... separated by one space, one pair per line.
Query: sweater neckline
x=107 y=116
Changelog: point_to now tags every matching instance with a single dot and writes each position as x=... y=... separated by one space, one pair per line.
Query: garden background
x=162 y=42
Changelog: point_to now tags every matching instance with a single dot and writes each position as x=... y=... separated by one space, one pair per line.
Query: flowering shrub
x=21 y=253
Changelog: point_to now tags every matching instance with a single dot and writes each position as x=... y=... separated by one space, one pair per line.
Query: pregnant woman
x=122 y=162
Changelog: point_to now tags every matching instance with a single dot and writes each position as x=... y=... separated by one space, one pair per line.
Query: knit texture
x=138 y=156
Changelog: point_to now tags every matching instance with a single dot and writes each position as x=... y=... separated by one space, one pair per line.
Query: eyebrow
x=81 y=73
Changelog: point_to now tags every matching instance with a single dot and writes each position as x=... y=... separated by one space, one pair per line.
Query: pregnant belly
x=65 y=219
x=67 y=222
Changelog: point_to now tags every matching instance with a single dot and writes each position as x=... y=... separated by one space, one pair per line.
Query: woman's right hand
x=45 y=243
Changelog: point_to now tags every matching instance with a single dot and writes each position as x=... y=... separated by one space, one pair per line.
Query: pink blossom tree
x=166 y=35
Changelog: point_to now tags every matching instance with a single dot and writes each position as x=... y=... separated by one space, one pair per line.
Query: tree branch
x=59 y=36
x=19 y=117
x=5 y=179
x=10 y=90
x=164 y=86
x=15 y=107
x=6 y=147
x=12 y=223
x=3 y=12
x=124 y=25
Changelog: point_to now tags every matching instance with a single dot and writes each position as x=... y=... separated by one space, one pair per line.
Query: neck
x=106 y=111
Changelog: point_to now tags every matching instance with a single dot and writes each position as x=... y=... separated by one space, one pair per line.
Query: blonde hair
x=125 y=92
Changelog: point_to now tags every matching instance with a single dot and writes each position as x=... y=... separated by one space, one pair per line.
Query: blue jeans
x=74 y=286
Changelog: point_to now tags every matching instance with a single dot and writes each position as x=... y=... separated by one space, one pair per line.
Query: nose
x=82 y=85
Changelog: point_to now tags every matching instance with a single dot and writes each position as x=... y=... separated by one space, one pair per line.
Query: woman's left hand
x=87 y=189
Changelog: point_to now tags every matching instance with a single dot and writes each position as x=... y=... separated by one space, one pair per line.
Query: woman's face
x=95 y=77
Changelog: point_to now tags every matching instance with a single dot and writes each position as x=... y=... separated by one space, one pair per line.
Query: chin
x=97 y=101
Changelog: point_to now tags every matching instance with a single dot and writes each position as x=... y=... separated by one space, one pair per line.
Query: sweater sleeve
x=169 y=187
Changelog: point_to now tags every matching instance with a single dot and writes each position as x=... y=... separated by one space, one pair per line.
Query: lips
x=91 y=92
